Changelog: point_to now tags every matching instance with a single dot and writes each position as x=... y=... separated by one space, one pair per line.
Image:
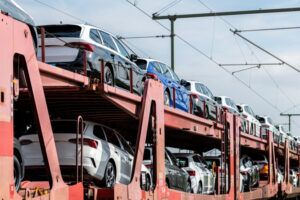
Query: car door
x=179 y=173
x=137 y=73
x=121 y=70
x=210 y=102
x=206 y=175
x=170 y=172
x=121 y=165
x=182 y=93
x=128 y=155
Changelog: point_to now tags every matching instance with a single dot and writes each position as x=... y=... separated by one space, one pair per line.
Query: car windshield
x=174 y=76
x=62 y=31
x=141 y=63
x=270 y=121
x=165 y=70
x=198 y=88
x=227 y=100
x=121 y=48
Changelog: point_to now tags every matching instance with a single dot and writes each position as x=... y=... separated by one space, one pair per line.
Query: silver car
x=107 y=158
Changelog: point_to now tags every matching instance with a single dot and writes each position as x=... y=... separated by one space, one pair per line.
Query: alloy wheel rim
x=110 y=177
x=108 y=77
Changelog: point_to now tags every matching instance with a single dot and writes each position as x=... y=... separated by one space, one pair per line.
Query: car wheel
x=110 y=175
x=200 y=191
x=148 y=184
x=108 y=76
x=17 y=173
x=167 y=99
x=188 y=188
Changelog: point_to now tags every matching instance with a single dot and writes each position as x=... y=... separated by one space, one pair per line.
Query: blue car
x=170 y=80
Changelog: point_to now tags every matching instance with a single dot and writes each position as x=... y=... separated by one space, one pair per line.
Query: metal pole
x=230 y=13
x=172 y=43
x=290 y=123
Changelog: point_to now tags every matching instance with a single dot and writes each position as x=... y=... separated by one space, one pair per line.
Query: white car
x=229 y=105
x=107 y=158
x=280 y=176
x=293 y=177
x=204 y=179
x=292 y=141
x=282 y=133
x=268 y=124
x=252 y=124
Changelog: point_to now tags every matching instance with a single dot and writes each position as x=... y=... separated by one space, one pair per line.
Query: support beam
x=229 y=13
x=172 y=44
x=289 y=115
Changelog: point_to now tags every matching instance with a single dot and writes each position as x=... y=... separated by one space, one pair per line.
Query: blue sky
x=279 y=84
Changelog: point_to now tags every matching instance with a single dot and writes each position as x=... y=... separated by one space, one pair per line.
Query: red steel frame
x=15 y=36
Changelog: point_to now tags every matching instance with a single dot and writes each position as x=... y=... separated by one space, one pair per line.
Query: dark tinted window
x=121 y=48
x=142 y=64
x=108 y=41
x=183 y=161
x=65 y=126
x=94 y=35
x=262 y=120
x=218 y=99
x=188 y=86
x=111 y=137
x=98 y=132
x=147 y=154
x=62 y=31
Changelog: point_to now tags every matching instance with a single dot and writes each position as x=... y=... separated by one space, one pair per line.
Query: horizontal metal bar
x=213 y=14
x=247 y=64
x=282 y=114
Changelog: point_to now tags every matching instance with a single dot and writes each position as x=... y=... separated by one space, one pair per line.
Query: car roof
x=81 y=25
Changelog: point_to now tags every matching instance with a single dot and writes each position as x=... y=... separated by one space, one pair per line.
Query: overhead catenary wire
x=168 y=6
x=143 y=37
x=268 y=29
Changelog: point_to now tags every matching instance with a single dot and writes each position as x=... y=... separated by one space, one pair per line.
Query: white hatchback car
x=107 y=158
x=282 y=133
x=268 y=124
x=204 y=179
x=253 y=125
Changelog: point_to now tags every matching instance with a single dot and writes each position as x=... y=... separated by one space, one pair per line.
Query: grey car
x=176 y=178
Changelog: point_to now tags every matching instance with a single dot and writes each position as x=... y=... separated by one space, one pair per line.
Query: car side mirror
x=133 y=57
x=183 y=82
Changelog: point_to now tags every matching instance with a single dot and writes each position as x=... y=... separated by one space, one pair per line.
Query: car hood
x=14 y=10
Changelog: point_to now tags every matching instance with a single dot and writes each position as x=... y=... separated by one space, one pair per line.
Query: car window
x=125 y=145
x=121 y=48
x=156 y=67
x=108 y=41
x=147 y=154
x=62 y=31
x=99 y=133
x=165 y=71
x=198 y=88
x=233 y=104
x=172 y=157
x=111 y=137
x=270 y=121
x=219 y=100
x=247 y=110
x=204 y=89
x=167 y=161
x=65 y=126
x=197 y=161
x=94 y=35
x=227 y=100
x=210 y=94
x=262 y=120
x=142 y=64
x=188 y=86
x=251 y=111
x=174 y=75
x=183 y=161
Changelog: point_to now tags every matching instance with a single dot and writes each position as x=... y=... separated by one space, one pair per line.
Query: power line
x=144 y=37
x=264 y=50
x=168 y=6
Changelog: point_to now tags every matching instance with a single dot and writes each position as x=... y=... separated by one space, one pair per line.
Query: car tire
x=200 y=190
x=148 y=183
x=109 y=175
x=108 y=76
x=188 y=188
x=17 y=173
x=167 y=99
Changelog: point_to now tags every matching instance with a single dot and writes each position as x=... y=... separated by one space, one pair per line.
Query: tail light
x=225 y=108
x=192 y=172
x=81 y=45
x=86 y=141
x=195 y=96
x=244 y=173
x=149 y=166
x=245 y=116
x=150 y=75
x=25 y=142
x=267 y=126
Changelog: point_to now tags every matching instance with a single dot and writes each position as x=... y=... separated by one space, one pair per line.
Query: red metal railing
x=79 y=128
x=43 y=43
x=174 y=100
